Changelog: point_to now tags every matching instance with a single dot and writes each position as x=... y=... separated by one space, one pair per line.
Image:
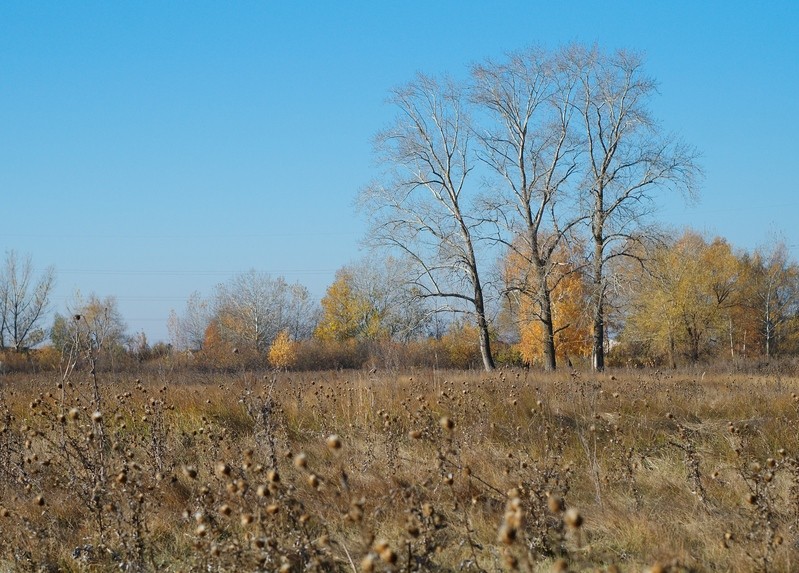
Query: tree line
x=681 y=300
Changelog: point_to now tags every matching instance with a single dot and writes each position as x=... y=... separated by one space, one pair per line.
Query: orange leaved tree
x=569 y=296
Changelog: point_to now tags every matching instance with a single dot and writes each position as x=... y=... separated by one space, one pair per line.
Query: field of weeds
x=399 y=471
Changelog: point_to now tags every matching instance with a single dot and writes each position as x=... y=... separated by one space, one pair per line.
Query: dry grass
x=414 y=471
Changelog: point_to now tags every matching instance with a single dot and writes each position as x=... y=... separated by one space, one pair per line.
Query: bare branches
x=421 y=208
x=568 y=149
x=23 y=302
x=630 y=161
x=527 y=142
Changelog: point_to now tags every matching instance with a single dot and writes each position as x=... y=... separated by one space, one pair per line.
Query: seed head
x=97 y=417
x=74 y=414
x=368 y=564
x=334 y=442
x=222 y=469
x=573 y=519
x=388 y=555
x=190 y=472
x=507 y=534
x=446 y=423
x=555 y=503
x=300 y=461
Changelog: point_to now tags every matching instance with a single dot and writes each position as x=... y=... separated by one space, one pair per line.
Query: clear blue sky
x=151 y=149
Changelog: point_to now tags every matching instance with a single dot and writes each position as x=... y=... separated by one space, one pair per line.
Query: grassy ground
x=408 y=471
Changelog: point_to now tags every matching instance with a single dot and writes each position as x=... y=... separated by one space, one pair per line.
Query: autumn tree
x=458 y=346
x=627 y=162
x=23 y=302
x=526 y=104
x=221 y=353
x=686 y=300
x=284 y=351
x=569 y=295
x=425 y=205
x=370 y=301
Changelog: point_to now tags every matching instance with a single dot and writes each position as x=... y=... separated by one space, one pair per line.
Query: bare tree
x=100 y=325
x=187 y=331
x=774 y=280
x=422 y=208
x=23 y=302
x=628 y=162
x=252 y=308
x=527 y=142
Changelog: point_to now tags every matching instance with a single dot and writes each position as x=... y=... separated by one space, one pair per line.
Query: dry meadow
x=399 y=471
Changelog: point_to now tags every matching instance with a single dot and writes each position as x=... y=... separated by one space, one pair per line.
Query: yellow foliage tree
x=689 y=302
x=459 y=344
x=284 y=351
x=346 y=314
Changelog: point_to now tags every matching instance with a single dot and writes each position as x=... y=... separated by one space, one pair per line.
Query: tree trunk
x=485 y=344
x=482 y=326
x=598 y=351
x=598 y=342
x=672 y=351
x=549 y=357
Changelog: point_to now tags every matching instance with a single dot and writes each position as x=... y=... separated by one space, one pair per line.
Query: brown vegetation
x=415 y=471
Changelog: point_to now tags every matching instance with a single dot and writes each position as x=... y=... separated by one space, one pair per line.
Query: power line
x=188 y=272
x=138 y=236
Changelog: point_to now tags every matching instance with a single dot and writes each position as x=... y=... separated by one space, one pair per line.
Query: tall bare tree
x=527 y=102
x=423 y=207
x=23 y=302
x=629 y=160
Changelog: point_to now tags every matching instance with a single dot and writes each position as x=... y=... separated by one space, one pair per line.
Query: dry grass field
x=399 y=471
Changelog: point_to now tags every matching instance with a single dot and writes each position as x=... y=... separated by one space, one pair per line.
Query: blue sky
x=151 y=149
